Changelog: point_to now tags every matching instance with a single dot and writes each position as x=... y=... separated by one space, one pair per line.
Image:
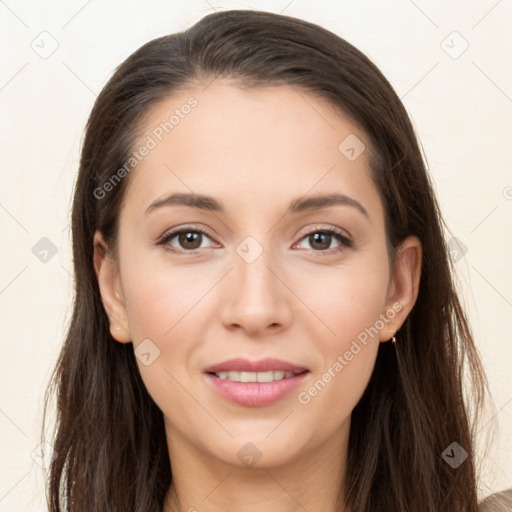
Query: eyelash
x=345 y=242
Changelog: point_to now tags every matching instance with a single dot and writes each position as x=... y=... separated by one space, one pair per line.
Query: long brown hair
x=109 y=439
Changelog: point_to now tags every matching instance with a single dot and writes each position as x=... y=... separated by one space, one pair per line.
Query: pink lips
x=255 y=394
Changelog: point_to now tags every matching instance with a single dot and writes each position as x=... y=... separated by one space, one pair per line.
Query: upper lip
x=263 y=365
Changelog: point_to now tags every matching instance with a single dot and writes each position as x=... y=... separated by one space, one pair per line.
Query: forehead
x=266 y=144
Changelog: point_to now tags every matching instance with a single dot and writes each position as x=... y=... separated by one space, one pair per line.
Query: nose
x=257 y=298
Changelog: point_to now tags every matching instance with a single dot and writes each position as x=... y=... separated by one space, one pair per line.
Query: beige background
x=460 y=101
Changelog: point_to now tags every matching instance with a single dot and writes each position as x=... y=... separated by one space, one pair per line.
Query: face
x=263 y=269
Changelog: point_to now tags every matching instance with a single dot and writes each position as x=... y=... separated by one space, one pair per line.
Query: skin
x=302 y=301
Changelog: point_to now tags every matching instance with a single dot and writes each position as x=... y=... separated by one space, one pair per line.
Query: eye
x=320 y=240
x=189 y=239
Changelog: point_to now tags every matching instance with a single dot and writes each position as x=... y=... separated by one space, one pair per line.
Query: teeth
x=269 y=376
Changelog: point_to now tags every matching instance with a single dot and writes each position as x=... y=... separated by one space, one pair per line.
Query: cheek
x=165 y=311
x=345 y=300
x=348 y=306
x=348 y=355
x=159 y=298
x=158 y=303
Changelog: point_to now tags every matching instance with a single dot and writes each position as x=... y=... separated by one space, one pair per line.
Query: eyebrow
x=300 y=204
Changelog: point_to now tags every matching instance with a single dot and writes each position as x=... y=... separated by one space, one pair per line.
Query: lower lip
x=255 y=394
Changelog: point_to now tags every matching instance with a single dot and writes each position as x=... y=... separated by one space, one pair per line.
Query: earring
x=393 y=339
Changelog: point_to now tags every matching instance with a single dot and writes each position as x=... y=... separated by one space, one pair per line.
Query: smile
x=269 y=376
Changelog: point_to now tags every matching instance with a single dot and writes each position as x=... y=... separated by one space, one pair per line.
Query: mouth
x=255 y=384
x=268 y=376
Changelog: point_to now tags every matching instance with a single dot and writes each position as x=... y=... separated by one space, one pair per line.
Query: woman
x=265 y=314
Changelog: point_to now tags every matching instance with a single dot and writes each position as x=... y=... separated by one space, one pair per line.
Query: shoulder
x=498 y=502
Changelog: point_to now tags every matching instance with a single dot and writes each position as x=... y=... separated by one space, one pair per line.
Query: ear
x=110 y=289
x=403 y=286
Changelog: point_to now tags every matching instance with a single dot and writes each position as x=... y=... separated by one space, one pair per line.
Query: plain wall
x=460 y=105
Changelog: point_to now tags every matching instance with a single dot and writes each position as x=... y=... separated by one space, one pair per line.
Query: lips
x=255 y=383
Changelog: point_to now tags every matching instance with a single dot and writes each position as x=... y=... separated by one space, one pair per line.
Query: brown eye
x=321 y=240
x=187 y=240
